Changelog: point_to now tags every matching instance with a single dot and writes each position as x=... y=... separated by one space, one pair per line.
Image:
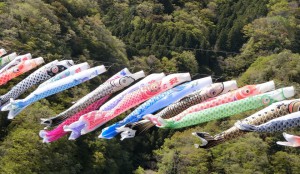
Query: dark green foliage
x=51 y=31
x=22 y=151
x=232 y=16
x=158 y=29
x=268 y=35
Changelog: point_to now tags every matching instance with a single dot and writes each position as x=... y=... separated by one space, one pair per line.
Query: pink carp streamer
x=19 y=69
x=241 y=93
x=58 y=132
x=95 y=119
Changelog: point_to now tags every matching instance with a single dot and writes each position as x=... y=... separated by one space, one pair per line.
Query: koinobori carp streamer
x=103 y=90
x=158 y=102
x=19 y=69
x=45 y=72
x=93 y=120
x=16 y=106
x=275 y=125
x=275 y=110
x=228 y=109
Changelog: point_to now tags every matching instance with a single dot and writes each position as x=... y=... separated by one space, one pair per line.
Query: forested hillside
x=250 y=41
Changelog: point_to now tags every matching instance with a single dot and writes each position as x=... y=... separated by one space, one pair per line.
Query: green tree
x=284 y=162
x=186 y=62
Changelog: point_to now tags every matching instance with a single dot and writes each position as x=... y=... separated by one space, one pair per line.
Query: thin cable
x=108 y=67
x=186 y=48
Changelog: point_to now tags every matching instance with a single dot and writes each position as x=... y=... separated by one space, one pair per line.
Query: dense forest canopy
x=251 y=41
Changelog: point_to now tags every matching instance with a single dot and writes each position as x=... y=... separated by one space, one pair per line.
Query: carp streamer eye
x=55 y=69
x=16 y=70
x=266 y=100
x=213 y=92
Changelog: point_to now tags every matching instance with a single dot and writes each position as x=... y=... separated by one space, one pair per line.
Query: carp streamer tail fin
x=291 y=140
x=207 y=141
